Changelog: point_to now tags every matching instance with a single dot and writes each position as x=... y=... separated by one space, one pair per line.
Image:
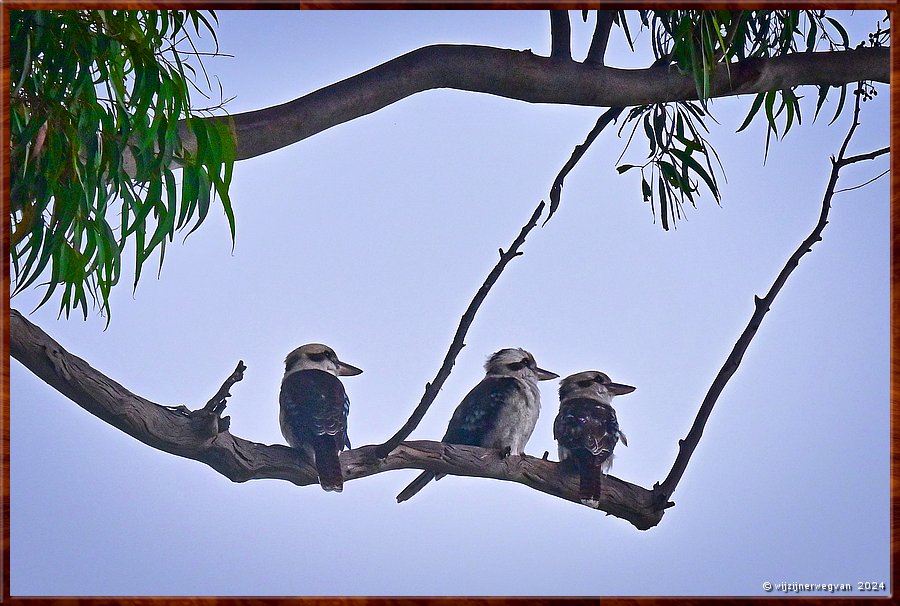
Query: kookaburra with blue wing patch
x=500 y=412
x=314 y=409
x=586 y=428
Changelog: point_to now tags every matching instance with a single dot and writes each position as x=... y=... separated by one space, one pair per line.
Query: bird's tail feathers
x=415 y=486
x=589 y=484
x=328 y=464
x=591 y=472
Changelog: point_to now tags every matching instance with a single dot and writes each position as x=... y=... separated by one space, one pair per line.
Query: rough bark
x=199 y=435
x=528 y=77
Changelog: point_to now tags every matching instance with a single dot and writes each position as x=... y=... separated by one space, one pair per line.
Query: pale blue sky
x=372 y=237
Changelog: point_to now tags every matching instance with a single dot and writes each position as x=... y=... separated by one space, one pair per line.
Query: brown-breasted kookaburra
x=586 y=428
x=314 y=409
x=500 y=412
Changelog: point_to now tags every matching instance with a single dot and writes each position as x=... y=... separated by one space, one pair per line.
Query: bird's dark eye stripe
x=516 y=365
x=584 y=383
x=317 y=356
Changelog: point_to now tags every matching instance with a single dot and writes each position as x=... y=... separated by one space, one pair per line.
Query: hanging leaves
x=679 y=157
x=696 y=42
x=98 y=113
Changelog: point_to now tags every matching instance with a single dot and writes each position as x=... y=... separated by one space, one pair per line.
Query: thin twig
x=597 y=52
x=432 y=388
x=602 y=122
x=218 y=402
x=872 y=180
x=868 y=156
x=688 y=444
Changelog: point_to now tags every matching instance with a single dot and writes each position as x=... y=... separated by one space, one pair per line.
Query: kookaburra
x=314 y=409
x=586 y=428
x=500 y=412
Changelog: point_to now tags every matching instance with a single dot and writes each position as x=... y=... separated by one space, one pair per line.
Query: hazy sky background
x=372 y=237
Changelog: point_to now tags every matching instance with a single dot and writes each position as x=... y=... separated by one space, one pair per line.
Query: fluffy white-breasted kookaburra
x=314 y=409
x=586 y=427
x=500 y=412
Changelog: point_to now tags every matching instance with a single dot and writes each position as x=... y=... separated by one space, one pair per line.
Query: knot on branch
x=56 y=358
x=208 y=423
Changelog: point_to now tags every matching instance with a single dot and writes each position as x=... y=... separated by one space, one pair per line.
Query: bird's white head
x=515 y=362
x=320 y=357
x=591 y=384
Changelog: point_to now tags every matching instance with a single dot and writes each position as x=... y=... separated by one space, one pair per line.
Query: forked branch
x=525 y=76
x=687 y=446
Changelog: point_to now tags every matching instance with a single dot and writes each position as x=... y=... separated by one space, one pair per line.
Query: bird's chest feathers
x=515 y=422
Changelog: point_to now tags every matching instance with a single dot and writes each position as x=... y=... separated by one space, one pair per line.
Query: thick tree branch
x=687 y=446
x=560 y=35
x=527 y=77
x=619 y=498
x=170 y=429
x=197 y=437
x=597 y=52
x=432 y=388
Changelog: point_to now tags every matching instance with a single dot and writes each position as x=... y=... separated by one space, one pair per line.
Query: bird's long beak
x=617 y=389
x=347 y=370
x=545 y=375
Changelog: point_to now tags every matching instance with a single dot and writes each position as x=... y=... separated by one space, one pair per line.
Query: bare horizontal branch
x=198 y=436
x=619 y=498
x=528 y=77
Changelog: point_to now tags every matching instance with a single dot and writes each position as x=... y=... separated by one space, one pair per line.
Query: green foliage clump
x=698 y=42
x=100 y=115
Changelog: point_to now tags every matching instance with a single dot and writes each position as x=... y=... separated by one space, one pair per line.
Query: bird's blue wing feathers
x=480 y=410
x=316 y=404
x=346 y=414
